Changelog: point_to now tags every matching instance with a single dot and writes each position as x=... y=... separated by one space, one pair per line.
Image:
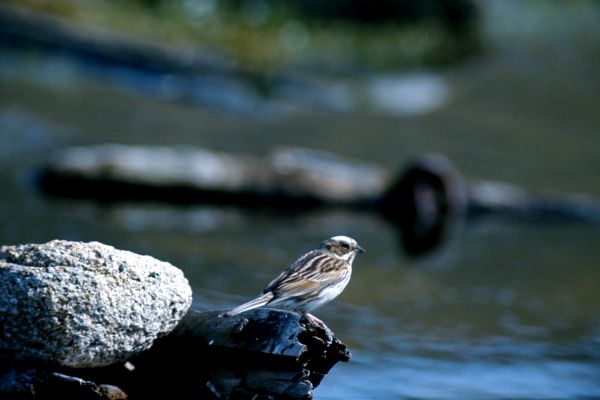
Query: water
x=508 y=309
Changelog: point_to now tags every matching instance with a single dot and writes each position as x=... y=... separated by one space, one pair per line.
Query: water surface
x=508 y=309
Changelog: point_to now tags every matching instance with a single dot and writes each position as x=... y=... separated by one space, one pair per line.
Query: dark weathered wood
x=264 y=352
x=263 y=331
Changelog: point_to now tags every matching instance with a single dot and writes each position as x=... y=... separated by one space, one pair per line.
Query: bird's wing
x=307 y=274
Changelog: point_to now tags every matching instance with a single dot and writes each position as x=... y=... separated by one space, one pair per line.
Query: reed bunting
x=314 y=279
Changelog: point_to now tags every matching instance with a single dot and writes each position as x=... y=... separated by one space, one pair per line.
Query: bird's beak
x=360 y=249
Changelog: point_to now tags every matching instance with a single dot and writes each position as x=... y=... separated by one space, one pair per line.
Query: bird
x=312 y=280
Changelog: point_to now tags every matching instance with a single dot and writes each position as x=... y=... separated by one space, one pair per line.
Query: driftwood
x=264 y=353
x=288 y=177
x=426 y=201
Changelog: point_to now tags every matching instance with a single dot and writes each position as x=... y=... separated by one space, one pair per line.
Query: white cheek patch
x=348 y=257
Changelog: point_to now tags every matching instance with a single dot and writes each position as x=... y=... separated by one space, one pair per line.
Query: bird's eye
x=345 y=245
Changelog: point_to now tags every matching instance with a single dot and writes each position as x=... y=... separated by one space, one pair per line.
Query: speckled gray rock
x=85 y=304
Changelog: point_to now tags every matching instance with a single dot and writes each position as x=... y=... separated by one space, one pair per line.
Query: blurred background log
x=287 y=177
x=427 y=200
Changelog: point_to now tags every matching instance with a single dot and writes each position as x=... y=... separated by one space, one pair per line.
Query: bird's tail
x=251 y=305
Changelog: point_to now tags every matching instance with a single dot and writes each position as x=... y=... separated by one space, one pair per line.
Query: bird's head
x=343 y=247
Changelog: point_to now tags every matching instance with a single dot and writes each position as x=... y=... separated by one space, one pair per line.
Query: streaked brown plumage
x=311 y=281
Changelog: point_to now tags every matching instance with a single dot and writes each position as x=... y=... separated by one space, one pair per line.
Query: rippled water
x=508 y=309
